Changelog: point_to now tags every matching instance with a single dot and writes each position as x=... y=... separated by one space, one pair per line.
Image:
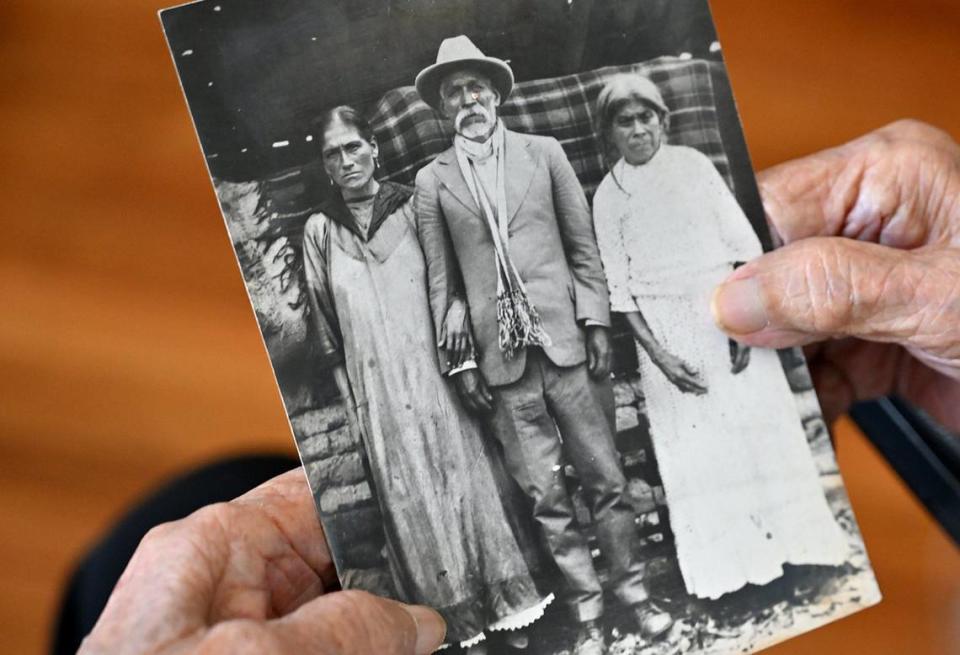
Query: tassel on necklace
x=518 y=321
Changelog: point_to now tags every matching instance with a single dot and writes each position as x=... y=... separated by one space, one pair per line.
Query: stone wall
x=335 y=464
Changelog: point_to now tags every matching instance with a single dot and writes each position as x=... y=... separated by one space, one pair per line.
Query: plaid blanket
x=411 y=134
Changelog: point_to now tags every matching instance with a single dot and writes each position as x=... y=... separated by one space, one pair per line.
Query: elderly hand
x=249 y=576
x=683 y=376
x=599 y=352
x=456 y=337
x=871 y=268
x=473 y=391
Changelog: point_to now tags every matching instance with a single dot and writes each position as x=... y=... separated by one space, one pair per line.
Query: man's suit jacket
x=551 y=242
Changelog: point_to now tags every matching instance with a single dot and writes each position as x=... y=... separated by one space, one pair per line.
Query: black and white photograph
x=481 y=240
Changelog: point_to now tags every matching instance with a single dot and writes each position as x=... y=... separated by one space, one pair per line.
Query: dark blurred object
x=922 y=452
x=97 y=574
x=251 y=87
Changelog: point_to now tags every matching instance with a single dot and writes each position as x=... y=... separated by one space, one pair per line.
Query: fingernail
x=431 y=629
x=738 y=307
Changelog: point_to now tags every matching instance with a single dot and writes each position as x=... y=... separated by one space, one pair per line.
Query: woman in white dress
x=449 y=539
x=740 y=482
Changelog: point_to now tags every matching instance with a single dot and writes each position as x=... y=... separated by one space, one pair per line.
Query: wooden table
x=127 y=346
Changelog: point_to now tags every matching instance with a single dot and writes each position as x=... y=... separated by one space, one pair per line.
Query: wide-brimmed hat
x=459 y=53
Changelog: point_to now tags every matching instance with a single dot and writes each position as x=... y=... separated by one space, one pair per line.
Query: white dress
x=740 y=482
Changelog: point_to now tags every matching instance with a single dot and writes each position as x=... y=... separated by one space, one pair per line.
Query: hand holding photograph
x=480 y=240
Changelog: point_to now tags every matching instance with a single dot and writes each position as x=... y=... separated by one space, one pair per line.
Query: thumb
x=827 y=287
x=357 y=623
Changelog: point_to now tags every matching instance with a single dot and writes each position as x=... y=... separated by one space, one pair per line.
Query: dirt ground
x=748 y=620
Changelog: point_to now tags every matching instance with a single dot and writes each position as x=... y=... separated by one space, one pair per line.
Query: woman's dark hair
x=346 y=115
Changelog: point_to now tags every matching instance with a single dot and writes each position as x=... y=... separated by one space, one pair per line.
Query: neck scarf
x=388 y=199
x=518 y=320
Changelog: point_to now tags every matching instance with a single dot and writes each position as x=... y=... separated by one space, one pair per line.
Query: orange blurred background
x=128 y=349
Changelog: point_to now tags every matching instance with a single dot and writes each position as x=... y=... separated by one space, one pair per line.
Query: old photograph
x=480 y=240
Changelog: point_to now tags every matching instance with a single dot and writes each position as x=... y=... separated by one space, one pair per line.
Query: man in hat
x=506 y=212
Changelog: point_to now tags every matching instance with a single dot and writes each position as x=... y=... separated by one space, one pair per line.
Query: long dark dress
x=449 y=541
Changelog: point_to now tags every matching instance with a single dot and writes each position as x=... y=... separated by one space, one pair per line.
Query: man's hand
x=598 y=351
x=249 y=576
x=473 y=391
x=871 y=268
x=456 y=337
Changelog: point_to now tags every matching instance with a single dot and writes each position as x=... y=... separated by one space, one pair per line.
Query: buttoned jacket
x=551 y=242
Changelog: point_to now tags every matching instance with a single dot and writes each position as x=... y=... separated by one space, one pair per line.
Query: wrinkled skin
x=869 y=278
x=456 y=336
x=870 y=273
x=469 y=100
x=637 y=132
x=249 y=576
x=599 y=352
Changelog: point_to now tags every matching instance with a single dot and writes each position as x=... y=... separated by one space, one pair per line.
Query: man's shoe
x=589 y=640
x=652 y=621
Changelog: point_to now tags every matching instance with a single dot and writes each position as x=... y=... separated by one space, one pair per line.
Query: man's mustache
x=464 y=114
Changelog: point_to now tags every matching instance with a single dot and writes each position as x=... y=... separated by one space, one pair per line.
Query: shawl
x=389 y=198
